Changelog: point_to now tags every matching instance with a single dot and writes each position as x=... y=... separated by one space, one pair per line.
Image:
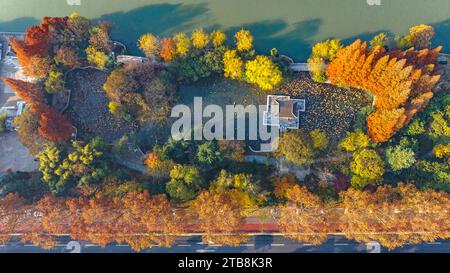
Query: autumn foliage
x=53 y=125
x=168 y=49
x=29 y=92
x=38 y=41
x=393 y=216
x=219 y=218
x=400 y=81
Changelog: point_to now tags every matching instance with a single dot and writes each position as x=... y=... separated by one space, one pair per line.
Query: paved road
x=258 y=244
x=14 y=155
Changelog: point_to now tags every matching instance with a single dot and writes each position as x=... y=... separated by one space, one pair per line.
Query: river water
x=292 y=26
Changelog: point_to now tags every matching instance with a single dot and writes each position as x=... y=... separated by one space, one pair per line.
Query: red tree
x=31 y=93
x=53 y=125
x=38 y=40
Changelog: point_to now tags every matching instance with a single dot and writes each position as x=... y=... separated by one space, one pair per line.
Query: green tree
x=27 y=185
x=214 y=59
x=209 y=155
x=354 y=141
x=428 y=174
x=98 y=58
x=417 y=127
x=367 y=168
x=243 y=192
x=3 y=117
x=81 y=166
x=320 y=139
x=185 y=182
x=296 y=147
x=190 y=69
x=400 y=157
x=49 y=161
x=28 y=124
x=182 y=152
x=380 y=40
x=439 y=125
x=54 y=82
x=404 y=42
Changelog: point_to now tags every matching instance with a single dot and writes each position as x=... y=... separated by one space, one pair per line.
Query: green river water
x=292 y=26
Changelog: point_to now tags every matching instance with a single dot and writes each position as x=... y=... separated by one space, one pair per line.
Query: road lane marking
x=215 y=245
x=247 y=245
x=184 y=245
x=276 y=244
x=205 y=250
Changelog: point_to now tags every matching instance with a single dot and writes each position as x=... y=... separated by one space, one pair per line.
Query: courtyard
x=88 y=107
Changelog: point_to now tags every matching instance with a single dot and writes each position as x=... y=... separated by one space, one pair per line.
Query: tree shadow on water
x=19 y=24
x=159 y=19
x=294 y=40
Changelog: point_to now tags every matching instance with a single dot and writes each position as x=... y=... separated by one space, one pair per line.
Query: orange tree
x=219 y=218
x=400 y=81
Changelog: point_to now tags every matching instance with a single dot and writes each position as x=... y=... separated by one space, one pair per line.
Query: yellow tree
x=244 y=40
x=233 y=65
x=182 y=43
x=218 y=38
x=199 y=38
x=149 y=44
x=263 y=72
x=97 y=57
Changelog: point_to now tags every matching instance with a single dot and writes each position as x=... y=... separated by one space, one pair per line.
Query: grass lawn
x=221 y=92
